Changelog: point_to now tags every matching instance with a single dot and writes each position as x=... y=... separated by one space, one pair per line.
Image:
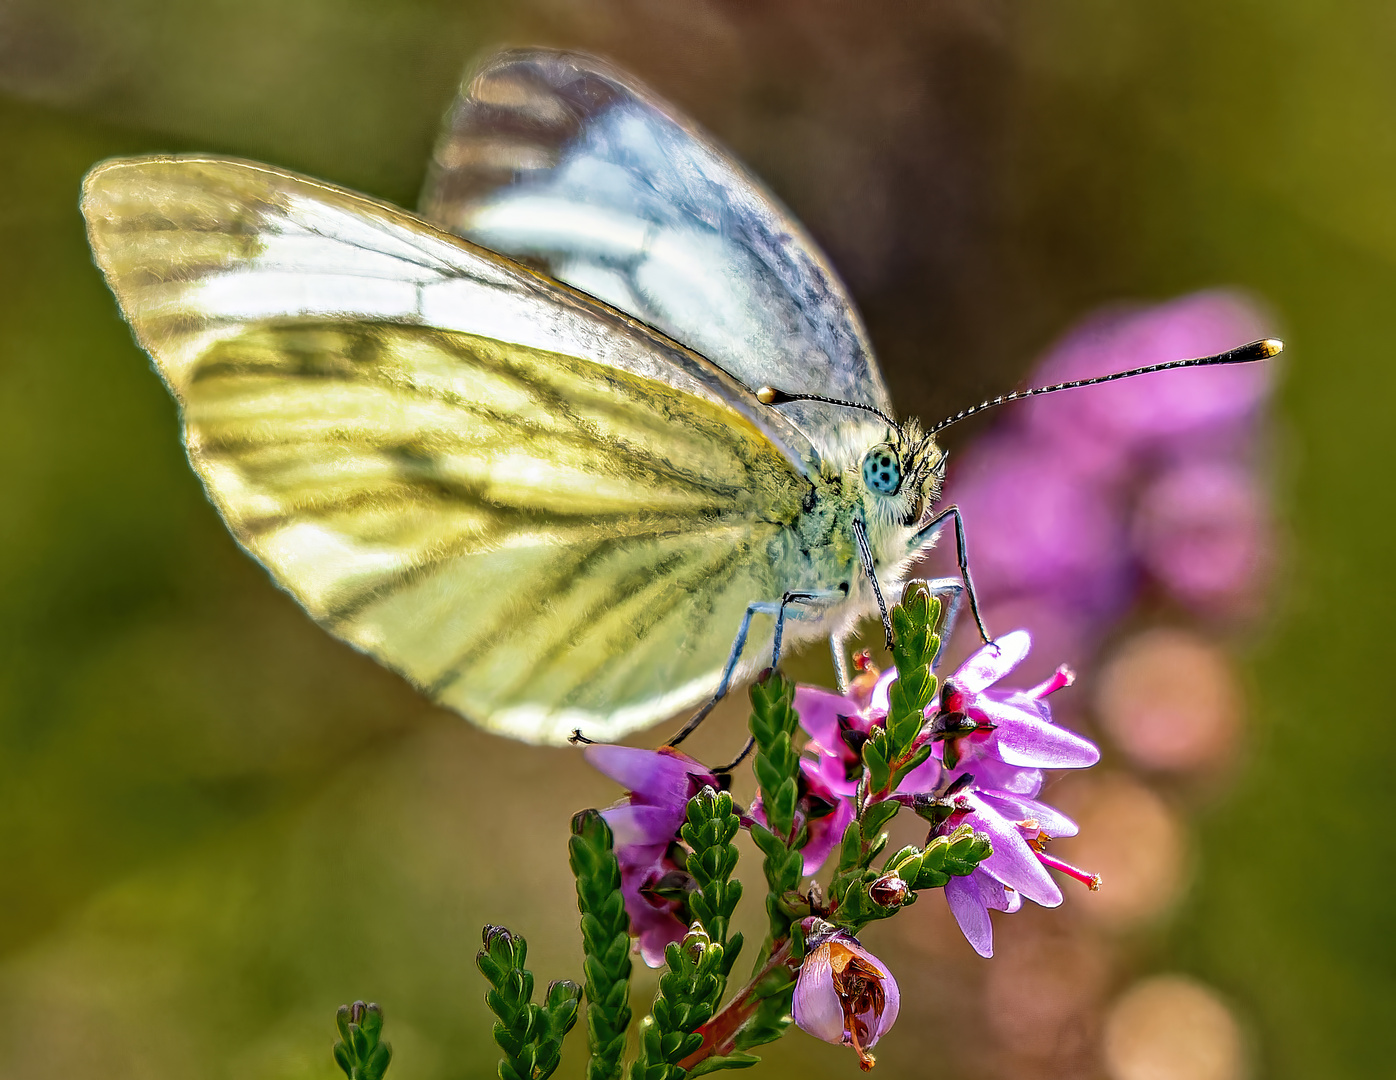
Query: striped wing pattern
x=543 y=514
x=560 y=159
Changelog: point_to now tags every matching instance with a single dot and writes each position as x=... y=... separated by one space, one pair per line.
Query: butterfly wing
x=542 y=513
x=559 y=159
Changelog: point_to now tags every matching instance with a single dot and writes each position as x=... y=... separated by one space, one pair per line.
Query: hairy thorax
x=819 y=553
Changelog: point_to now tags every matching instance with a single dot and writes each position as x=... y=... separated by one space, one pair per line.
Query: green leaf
x=851 y=850
x=956 y=855
x=877 y=815
x=875 y=758
x=689 y=991
x=730 y=1061
x=918 y=757
x=774 y=725
x=529 y=1035
x=710 y=827
x=605 y=940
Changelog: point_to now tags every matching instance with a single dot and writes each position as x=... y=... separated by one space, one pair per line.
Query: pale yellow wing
x=539 y=511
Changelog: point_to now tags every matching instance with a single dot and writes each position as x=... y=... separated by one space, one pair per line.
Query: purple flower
x=644 y=825
x=660 y=783
x=1000 y=799
x=1152 y=410
x=994 y=773
x=1202 y=529
x=971 y=899
x=839 y=724
x=844 y=994
x=1013 y=726
x=1046 y=520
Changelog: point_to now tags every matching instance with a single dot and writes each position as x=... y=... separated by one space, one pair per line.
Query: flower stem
x=721 y=1032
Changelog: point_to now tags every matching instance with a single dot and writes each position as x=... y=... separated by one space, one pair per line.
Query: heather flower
x=659 y=784
x=1000 y=799
x=839 y=724
x=1046 y=520
x=1013 y=726
x=972 y=898
x=1202 y=530
x=645 y=825
x=993 y=775
x=1152 y=411
x=844 y=994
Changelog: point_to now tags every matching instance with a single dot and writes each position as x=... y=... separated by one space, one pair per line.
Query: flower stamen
x=1091 y=881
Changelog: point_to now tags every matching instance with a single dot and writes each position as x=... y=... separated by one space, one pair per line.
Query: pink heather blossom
x=996 y=776
x=644 y=825
x=839 y=724
x=1201 y=528
x=1014 y=726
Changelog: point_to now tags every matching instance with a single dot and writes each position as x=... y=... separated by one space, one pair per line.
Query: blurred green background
x=218 y=824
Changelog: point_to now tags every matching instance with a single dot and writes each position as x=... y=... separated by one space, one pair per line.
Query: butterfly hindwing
x=540 y=512
x=559 y=159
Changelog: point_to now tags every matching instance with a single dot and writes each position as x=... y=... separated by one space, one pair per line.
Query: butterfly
x=544 y=447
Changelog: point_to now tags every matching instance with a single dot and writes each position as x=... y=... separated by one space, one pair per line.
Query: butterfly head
x=901 y=476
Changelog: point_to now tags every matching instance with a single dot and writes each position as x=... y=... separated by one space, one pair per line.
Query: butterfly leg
x=838 y=645
x=806 y=600
x=962 y=560
x=949 y=591
x=794 y=601
x=762 y=607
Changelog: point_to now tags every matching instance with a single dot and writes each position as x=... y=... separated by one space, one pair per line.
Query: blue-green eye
x=882 y=472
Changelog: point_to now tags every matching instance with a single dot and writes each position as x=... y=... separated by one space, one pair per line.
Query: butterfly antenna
x=769 y=395
x=1245 y=354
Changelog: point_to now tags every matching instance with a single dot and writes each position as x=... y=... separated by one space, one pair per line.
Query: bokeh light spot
x=1172 y=1028
x=1169 y=699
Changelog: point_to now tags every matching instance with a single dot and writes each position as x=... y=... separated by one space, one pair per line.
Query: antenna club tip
x=1256 y=350
x=766 y=395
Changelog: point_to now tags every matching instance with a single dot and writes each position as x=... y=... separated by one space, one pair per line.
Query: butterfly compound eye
x=882 y=472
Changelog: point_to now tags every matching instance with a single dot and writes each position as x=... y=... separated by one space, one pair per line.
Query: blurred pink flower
x=1074 y=502
x=1203 y=531
x=1142 y=413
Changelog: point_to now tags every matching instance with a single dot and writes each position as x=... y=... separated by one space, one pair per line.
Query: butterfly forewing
x=561 y=160
x=542 y=513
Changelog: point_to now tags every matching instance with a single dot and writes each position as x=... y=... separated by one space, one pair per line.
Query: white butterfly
x=546 y=496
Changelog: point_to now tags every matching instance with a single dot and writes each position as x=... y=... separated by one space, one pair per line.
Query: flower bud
x=888 y=891
x=845 y=995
